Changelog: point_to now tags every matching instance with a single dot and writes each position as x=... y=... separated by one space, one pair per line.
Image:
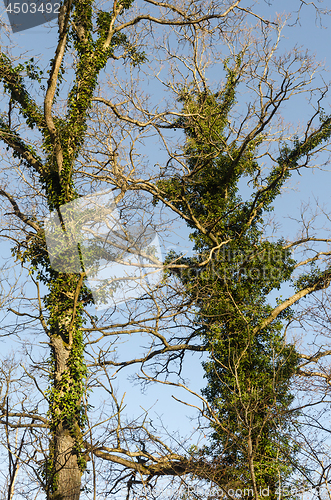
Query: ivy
x=249 y=371
x=86 y=36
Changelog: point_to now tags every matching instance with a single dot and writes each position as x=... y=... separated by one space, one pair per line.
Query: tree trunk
x=65 y=464
x=68 y=474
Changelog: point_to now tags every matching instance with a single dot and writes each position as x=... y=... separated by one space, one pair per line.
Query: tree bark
x=65 y=479
x=68 y=480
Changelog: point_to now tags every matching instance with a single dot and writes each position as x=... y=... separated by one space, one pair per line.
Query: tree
x=74 y=144
x=251 y=365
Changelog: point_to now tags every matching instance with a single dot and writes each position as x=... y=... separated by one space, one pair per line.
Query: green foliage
x=31 y=69
x=21 y=146
x=14 y=85
x=315 y=278
x=66 y=292
x=229 y=279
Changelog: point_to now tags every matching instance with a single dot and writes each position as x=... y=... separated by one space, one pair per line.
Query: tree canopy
x=77 y=196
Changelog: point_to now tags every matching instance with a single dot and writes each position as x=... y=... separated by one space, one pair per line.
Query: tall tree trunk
x=67 y=384
x=68 y=473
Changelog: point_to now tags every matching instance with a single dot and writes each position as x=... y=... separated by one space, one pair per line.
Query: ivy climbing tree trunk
x=65 y=469
x=62 y=139
x=66 y=463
